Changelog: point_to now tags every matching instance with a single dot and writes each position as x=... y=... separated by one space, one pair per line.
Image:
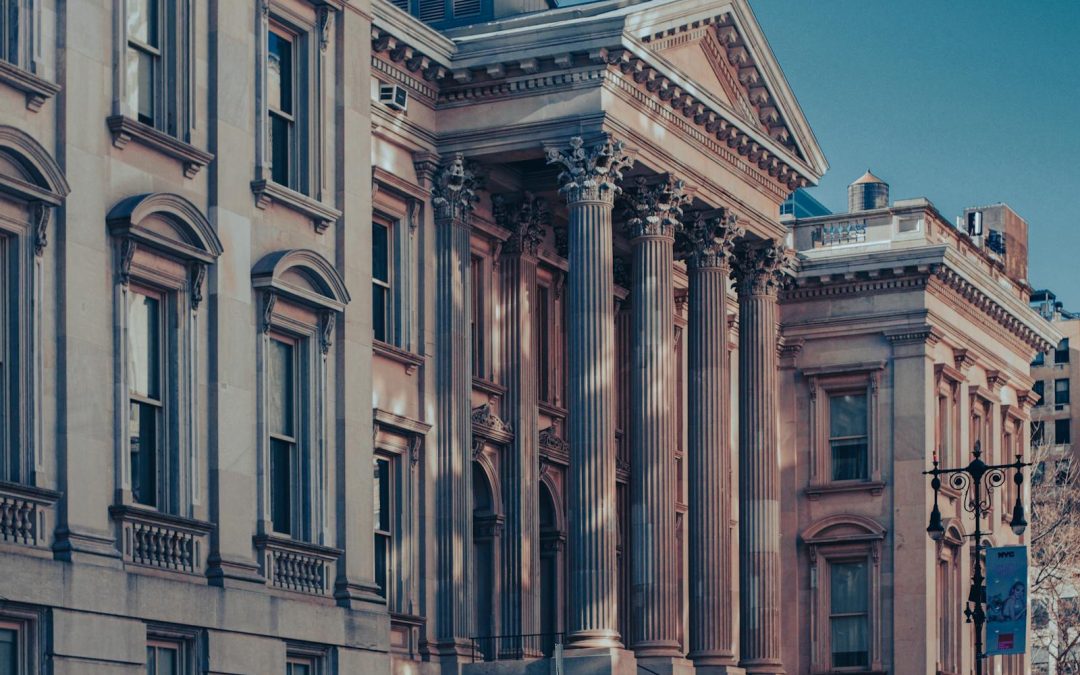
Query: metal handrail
x=515 y=647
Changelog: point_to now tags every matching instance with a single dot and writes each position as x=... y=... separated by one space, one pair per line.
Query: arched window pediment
x=41 y=179
x=168 y=223
x=843 y=528
x=302 y=275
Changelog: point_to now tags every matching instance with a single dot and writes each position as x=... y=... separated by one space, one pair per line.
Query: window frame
x=479 y=317
x=840 y=539
x=314 y=656
x=823 y=383
x=1061 y=352
x=168 y=437
x=832 y=564
x=298 y=76
x=1065 y=424
x=834 y=439
x=949 y=567
x=157 y=54
x=298 y=478
x=28 y=624
x=1059 y=399
x=399 y=206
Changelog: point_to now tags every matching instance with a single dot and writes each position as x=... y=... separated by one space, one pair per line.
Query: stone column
x=589 y=183
x=653 y=217
x=453 y=196
x=759 y=272
x=520 y=464
x=706 y=245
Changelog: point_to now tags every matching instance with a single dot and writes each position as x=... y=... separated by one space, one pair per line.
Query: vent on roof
x=401 y=4
x=466 y=8
x=432 y=10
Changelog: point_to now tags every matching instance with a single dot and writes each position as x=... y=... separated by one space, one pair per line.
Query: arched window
x=552 y=544
x=31 y=184
x=302 y=295
x=844 y=553
x=487 y=538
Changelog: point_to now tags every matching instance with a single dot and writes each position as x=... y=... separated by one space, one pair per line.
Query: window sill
x=297 y=566
x=407 y=359
x=875 y=488
x=37 y=90
x=268 y=192
x=124 y=130
x=154 y=539
x=25 y=514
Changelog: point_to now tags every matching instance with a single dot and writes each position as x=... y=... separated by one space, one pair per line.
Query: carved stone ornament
x=196 y=276
x=620 y=272
x=127 y=255
x=709 y=239
x=40 y=212
x=485 y=419
x=551 y=442
x=590 y=173
x=526 y=221
x=326 y=331
x=269 y=301
x=655 y=208
x=454 y=188
x=762 y=270
x=326 y=25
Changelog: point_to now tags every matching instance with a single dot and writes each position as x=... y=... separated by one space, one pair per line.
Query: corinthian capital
x=454 y=188
x=526 y=220
x=709 y=239
x=590 y=173
x=762 y=270
x=655 y=207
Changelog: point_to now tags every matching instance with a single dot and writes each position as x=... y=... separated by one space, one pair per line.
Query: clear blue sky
x=966 y=103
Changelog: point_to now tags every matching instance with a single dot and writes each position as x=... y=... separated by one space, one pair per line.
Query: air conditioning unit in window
x=394 y=97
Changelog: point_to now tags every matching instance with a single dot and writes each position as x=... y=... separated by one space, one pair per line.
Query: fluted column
x=520 y=464
x=759 y=272
x=453 y=197
x=589 y=184
x=706 y=246
x=655 y=209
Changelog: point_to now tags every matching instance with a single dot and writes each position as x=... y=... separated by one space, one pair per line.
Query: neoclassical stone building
x=601 y=412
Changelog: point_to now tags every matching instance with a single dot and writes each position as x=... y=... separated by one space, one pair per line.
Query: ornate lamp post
x=976 y=482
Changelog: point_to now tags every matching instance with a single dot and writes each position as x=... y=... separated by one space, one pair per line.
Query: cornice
x=424 y=41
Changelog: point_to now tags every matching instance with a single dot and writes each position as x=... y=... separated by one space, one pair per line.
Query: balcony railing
x=153 y=539
x=25 y=514
x=296 y=565
x=514 y=647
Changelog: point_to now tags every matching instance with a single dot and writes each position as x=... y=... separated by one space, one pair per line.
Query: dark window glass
x=543 y=337
x=279 y=73
x=1062 y=432
x=848 y=436
x=9 y=30
x=1040 y=359
x=299 y=668
x=281 y=414
x=477 y=270
x=280 y=84
x=162 y=660
x=1061 y=354
x=1040 y=390
x=380 y=279
x=9 y=651
x=849 y=615
x=146 y=404
x=281 y=485
x=383 y=533
x=1061 y=392
x=280 y=142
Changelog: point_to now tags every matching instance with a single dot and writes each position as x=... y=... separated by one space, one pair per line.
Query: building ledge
x=407 y=359
x=268 y=192
x=37 y=90
x=874 y=487
x=124 y=130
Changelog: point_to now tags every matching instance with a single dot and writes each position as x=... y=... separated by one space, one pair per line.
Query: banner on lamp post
x=1007 y=602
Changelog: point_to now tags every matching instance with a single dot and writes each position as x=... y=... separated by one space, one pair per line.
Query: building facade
x=600 y=405
x=1054 y=418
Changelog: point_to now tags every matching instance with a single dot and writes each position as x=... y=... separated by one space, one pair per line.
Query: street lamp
x=976 y=482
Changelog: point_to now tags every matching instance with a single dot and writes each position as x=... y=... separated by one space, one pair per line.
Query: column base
x=666 y=665
x=599 y=661
x=763 y=667
x=719 y=670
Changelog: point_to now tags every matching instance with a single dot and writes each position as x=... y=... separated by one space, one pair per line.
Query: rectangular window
x=1061 y=354
x=849 y=614
x=944 y=428
x=1040 y=359
x=146 y=336
x=284 y=447
x=478 y=317
x=1062 y=432
x=1038 y=433
x=543 y=341
x=380 y=281
x=144 y=63
x=9 y=31
x=282 y=89
x=301 y=665
x=1061 y=392
x=848 y=437
x=9 y=649
x=9 y=465
x=383 y=523
x=1040 y=390
x=165 y=658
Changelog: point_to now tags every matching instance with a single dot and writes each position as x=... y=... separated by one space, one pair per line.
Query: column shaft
x=711 y=640
x=591 y=346
x=654 y=630
x=520 y=465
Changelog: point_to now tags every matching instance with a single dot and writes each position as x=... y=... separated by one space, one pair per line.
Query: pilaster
x=453 y=197
x=759 y=271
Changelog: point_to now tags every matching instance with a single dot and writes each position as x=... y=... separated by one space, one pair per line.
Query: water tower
x=869 y=192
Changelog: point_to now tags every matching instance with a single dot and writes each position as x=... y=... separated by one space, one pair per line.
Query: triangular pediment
x=699 y=54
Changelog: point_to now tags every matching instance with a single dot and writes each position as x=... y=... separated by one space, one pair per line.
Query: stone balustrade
x=25 y=514
x=297 y=566
x=160 y=540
